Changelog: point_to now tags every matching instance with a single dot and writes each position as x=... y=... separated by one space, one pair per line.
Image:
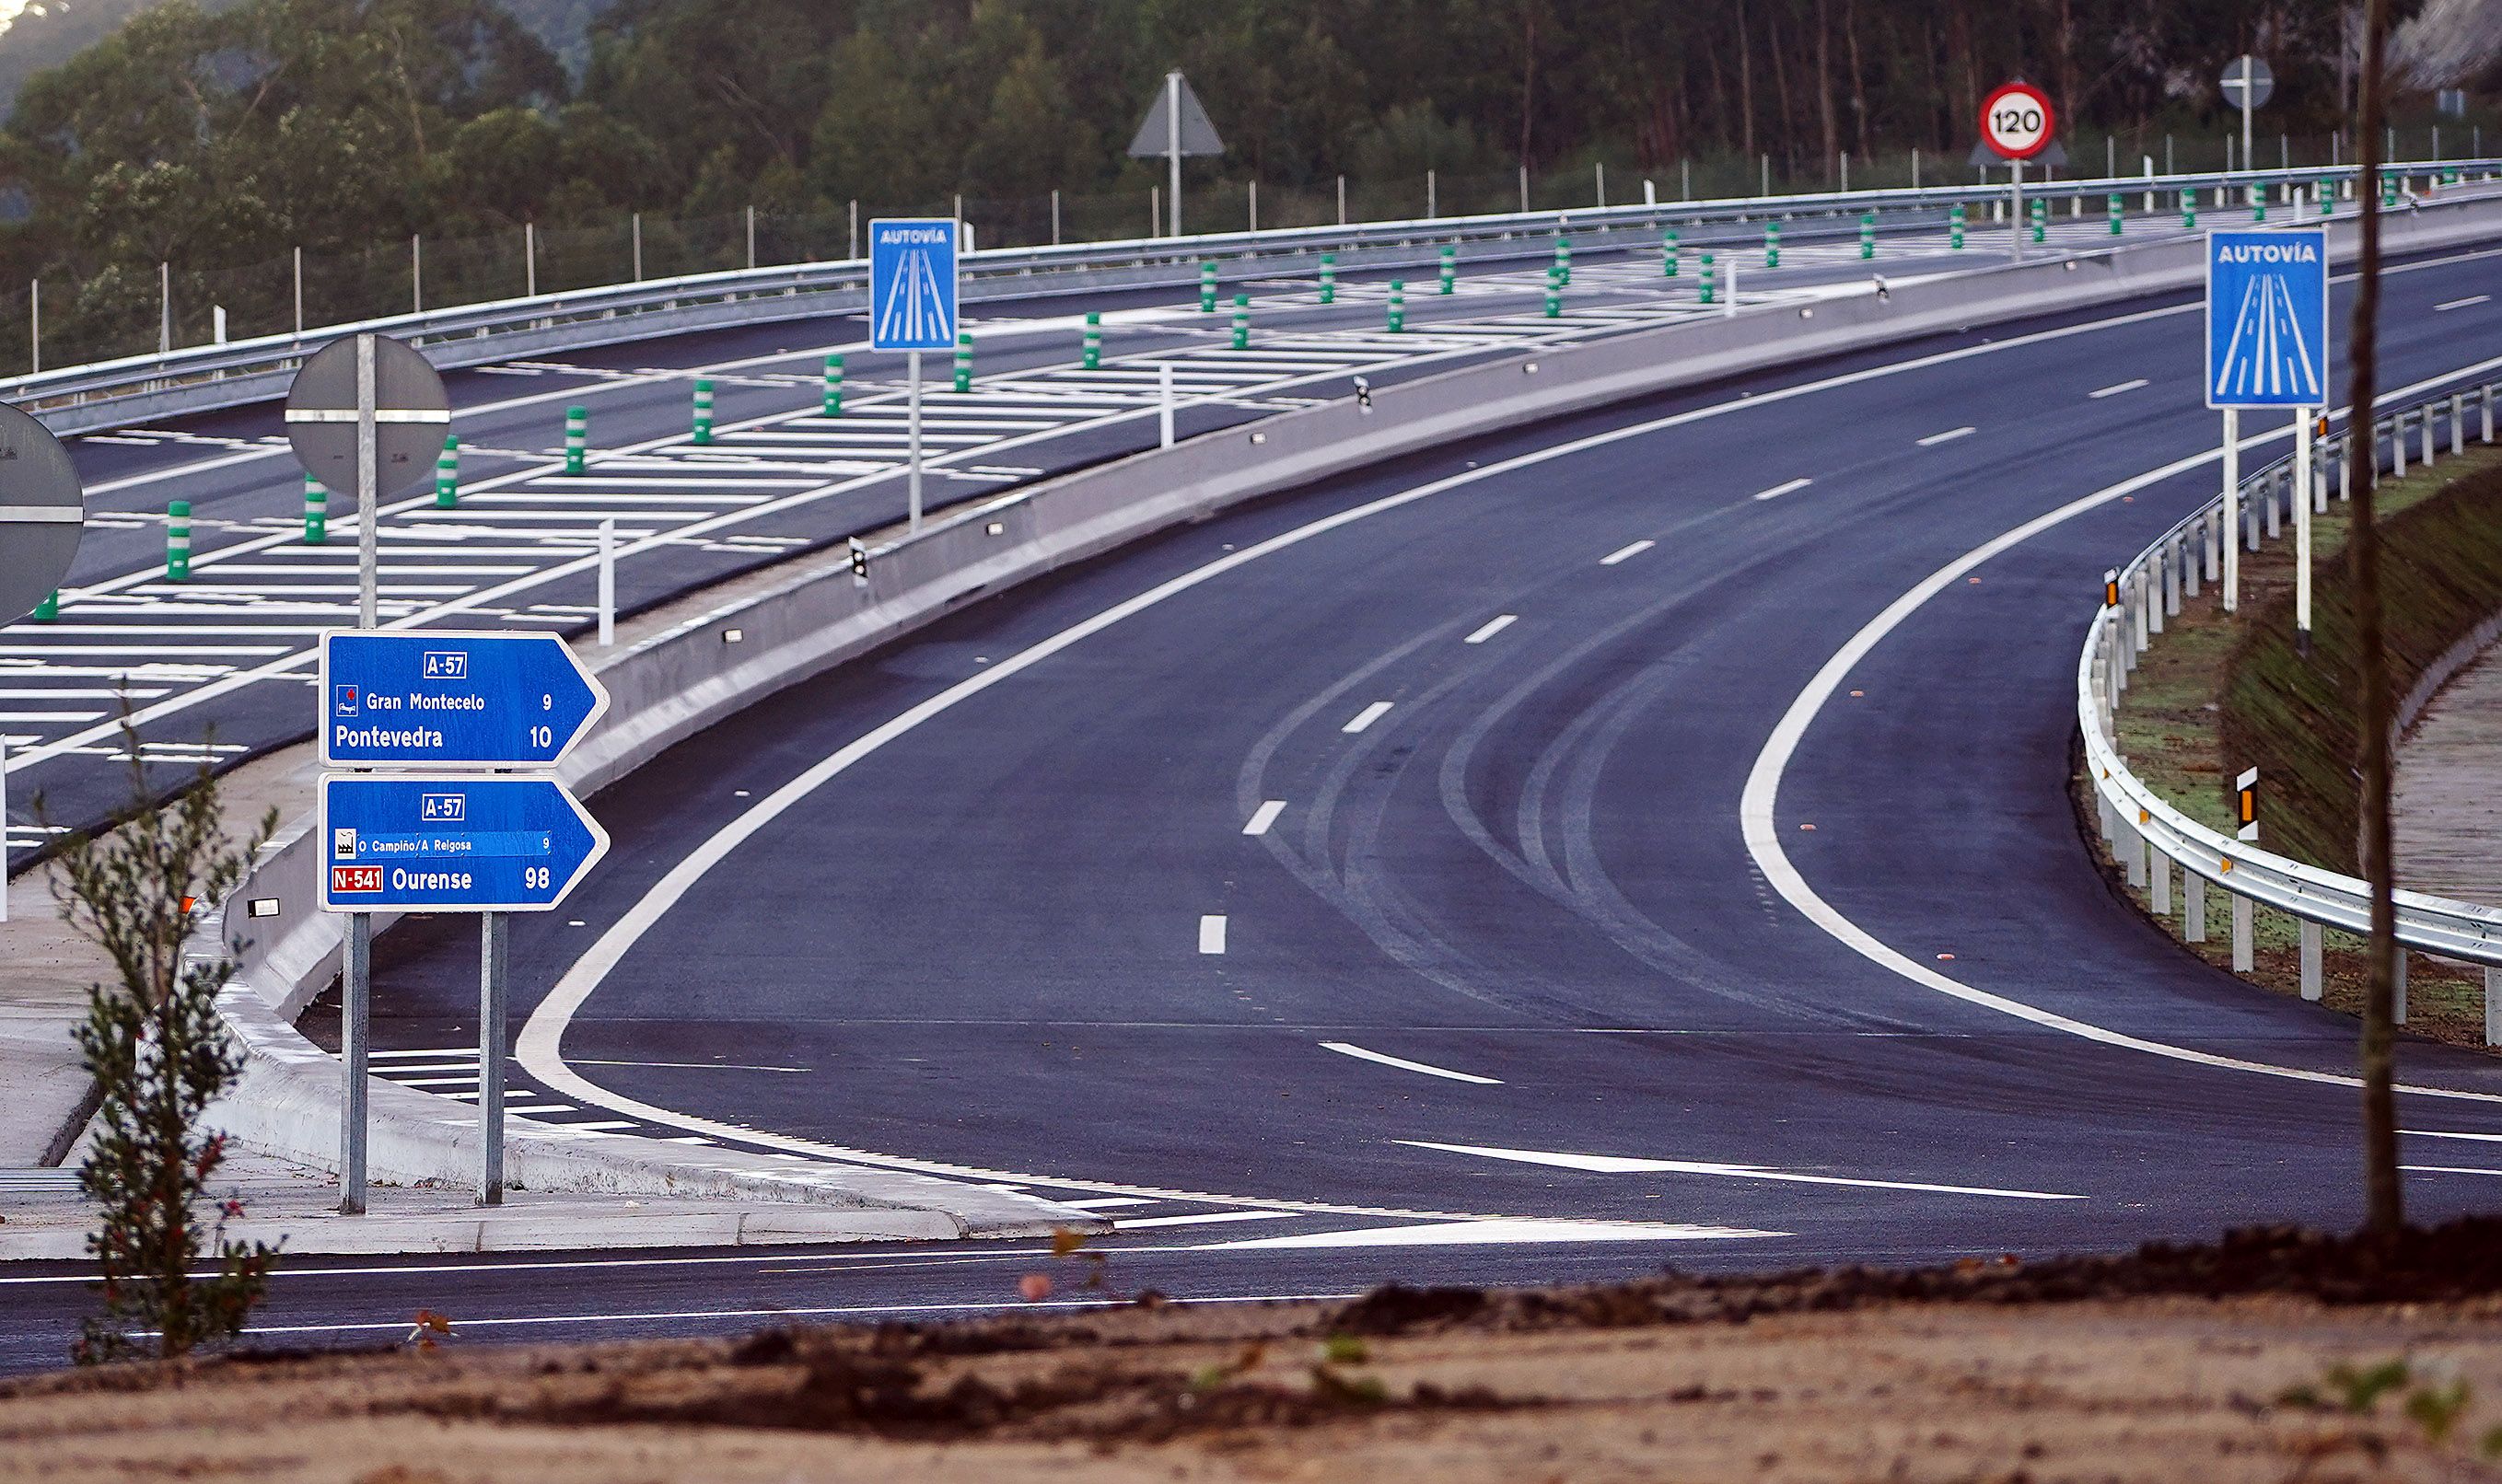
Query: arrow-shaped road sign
x=450 y=843
x=420 y=699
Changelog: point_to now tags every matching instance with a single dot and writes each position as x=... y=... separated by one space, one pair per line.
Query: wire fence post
x=34 y=324
x=416 y=273
x=164 y=308
x=299 y=294
x=638 y=247
x=750 y=228
x=529 y=259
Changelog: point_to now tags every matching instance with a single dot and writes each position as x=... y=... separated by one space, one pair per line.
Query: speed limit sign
x=2016 y=122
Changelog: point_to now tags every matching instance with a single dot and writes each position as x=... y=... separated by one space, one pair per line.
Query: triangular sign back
x=1198 y=132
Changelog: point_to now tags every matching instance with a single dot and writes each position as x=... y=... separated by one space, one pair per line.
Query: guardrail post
x=2429 y=423
x=1954 y=227
x=2312 y=967
x=1091 y=357
x=1709 y=280
x=1667 y=254
x=2137 y=847
x=2193 y=555
x=703 y=411
x=1563 y=269
x=317 y=512
x=577 y=437
x=2159 y=871
x=2398 y=1006
x=1772 y=244
x=2275 y=501
x=1241 y=322
x=964 y=361
x=833 y=403
x=2194 y=907
x=2458 y=421
x=2397 y=446
x=1328 y=278
x=1207 y=288
x=447 y=474
x=1397 y=306
x=2489 y=412
x=2493 y=1005
x=1450 y=267
x=2153 y=584
x=2244 y=956
x=1867 y=235
x=178 y=541
x=2171 y=581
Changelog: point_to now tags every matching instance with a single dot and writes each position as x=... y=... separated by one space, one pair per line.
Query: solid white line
x=2476 y=298
x=1366 y=717
x=2112 y=391
x=1948 y=436
x=1203 y=1219
x=2445 y=1133
x=1350 y=1049
x=1778 y=491
x=1623 y=552
x=1107 y=1202
x=1493 y=626
x=2447 y=1170
x=1609 y=1165
x=1211 y=934
x=1263 y=817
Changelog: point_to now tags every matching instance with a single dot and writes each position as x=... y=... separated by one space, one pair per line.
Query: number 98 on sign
x=2016 y=122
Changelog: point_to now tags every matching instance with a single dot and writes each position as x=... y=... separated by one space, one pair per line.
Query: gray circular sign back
x=2251 y=73
x=40 y=514
x=411 y=416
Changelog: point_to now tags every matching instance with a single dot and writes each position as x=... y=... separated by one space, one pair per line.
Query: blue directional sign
x=427 y=699
x=912 y=284
x=2267 y=318
x=451 y=843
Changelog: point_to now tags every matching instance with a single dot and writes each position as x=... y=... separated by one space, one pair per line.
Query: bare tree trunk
x=1787 y=133
x=2383 y=1211
x=1528 y=74
x=1858 y=77
x=1824 y=82
x=1746 y=88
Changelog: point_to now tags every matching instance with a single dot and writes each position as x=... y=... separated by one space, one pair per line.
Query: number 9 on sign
x=2016 y=122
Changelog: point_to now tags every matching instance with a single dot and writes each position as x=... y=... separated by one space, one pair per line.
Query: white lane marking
x=695 y=1066
x=1493 y=626
x=539 y=1049
x=657 y=1316
x=1778 y=491
x=1756 y=803
x=1496 y=1234
x=1611 y=1164
x=2474 y=298
x=1350 y=1049
x=1948 y=436
x=2445 y=1133
x=1107 y=1202
x=1202 y=1219
x=471 y=1052
x=1263 y=817
x=2115 y=390
x=1366 y=717
x=1623 y=552
x=1211 y=934
x=2447 y=1169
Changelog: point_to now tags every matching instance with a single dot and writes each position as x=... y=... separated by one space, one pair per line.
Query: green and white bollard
x=2188 y=211
x=1563 y=260
x=833 y=406
x=964 y=361
x=1450 y=268
x=1207 y=288
x=1241 y=322
x=1954 y=227
x=1867 y=236
x=1667 y=254
x=577 y=437
x=317 y=512
x=49 y=608
x=1772 y=244
x=1397 y=306
x=1711 y=280
x=2115 y=217
x=1328 y=278
x=1554 y=299
x=447 y=474
x=2258 y=204
x=2041 y=220
x=178 y=541
x=703 y=412
x=1093 y=344
x=2388 y=191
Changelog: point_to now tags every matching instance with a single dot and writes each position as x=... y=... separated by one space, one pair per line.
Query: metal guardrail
x=2147 y=835
x=201 y=378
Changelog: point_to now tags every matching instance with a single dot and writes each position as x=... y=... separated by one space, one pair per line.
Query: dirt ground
x=2321 y=1361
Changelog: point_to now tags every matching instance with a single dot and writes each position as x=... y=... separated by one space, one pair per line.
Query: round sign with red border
x=2016 y=122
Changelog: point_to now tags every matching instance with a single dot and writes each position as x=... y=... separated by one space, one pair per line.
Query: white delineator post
x=2232 y=509
x=1164 y=404
x=912 y=359
x=2302 y=479
x=607 y=581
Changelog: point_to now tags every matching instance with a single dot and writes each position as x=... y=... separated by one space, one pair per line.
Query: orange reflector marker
x=187 y=904
x=2110 y=589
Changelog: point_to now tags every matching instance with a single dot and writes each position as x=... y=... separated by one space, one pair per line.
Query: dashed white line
x=1778 y=491
x=1367 y=716
x=1211 y=934
x=2474 y=298
x=1623 y=552
x=1948 y=436
x=2112 y=391
x=1349 y=1049
x=1492 y=627
x=1263 y=817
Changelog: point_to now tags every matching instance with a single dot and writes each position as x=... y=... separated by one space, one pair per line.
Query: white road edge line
x=2112 y=391
x=2477 y=298
x=1350 y=1049
x=1612 y=1164
x=1211 y=934
x=1493 y=626
x=539 y=1048
x=1778 y=491
x=1623 y=552
x=1263 y=817
x=1366 y=717
x=1948 y=436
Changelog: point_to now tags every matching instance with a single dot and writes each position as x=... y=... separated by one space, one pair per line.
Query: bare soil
x=2276 y=1355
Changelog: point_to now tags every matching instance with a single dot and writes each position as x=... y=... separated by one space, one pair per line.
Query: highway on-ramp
x=1479 y=869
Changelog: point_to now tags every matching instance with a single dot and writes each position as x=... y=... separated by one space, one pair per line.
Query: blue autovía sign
x=912 y=284
x=425 y=699
x=2267 y=318
x=450 y=843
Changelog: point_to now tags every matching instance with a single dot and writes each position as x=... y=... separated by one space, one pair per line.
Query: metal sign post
x=1177 y=126
x=2267 y=345
x=912 y=437
x=2247 y=82
x=912 y=309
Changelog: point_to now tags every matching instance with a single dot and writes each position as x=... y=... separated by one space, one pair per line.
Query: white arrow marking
x=1611 y=1164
